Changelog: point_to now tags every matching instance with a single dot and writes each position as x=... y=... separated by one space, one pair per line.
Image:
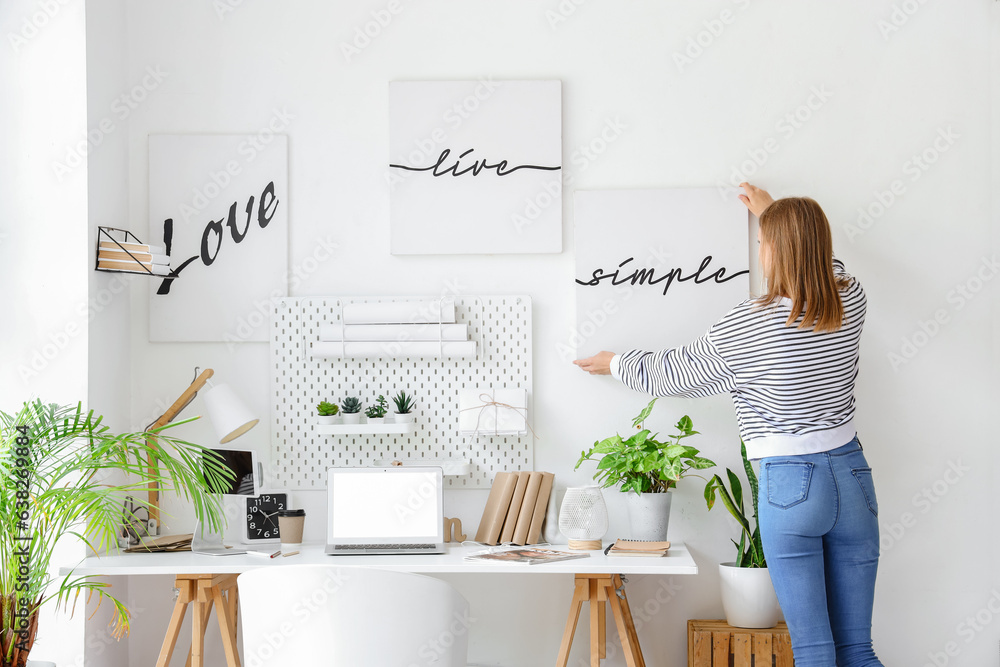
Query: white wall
x=43 y=236
x=878 y=97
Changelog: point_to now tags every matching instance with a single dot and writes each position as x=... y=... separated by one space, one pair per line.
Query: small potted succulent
x=404 y=407
x=376 y=413
x=327 y=412
x=351 y=409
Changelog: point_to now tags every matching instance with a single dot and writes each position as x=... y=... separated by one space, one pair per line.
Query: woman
x=789 y=359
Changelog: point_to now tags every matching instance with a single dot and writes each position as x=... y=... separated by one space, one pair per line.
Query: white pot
x=326 y=419
x=748 y=596
x=648 y=515
x=352 y=417
x=402 y=417
x=376 y=420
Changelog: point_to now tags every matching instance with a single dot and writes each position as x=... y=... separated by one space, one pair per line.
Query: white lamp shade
x=583 y=516
x=230 y=417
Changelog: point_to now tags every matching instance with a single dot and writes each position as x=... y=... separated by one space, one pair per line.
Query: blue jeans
x=819 y=525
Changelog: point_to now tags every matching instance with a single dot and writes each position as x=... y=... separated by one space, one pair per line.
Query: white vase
x=402 y=417
x=376 y=420
x=352 y=418
x=326 y=419
x=648 y=515
x=748 y=596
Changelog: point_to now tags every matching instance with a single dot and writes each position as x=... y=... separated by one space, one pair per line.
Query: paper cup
x=290 y=523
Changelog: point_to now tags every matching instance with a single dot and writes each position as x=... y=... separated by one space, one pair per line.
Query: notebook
x=394 y=510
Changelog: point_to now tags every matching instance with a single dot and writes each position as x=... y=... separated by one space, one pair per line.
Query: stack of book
x=133 y=257
x=638 y=548
x=515 y=508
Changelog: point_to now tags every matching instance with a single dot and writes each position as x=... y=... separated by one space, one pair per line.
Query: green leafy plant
x=55 y=484
x=750 y=552
x=643 y=464
x=404 y=403
x=378 y=410
x=351 y=405
x=326 y=409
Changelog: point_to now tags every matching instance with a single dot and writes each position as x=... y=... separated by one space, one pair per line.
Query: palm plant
x=750 y=551
x=55 y=464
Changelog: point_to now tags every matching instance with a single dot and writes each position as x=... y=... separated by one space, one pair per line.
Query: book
x=162 y=543
x=122 y=256
x=510 y=523
x=133 y=267
x=638 y=548
x=527 y=512
x=541 y=505
x=524 y=555
x=497 y=505
x=133 y=247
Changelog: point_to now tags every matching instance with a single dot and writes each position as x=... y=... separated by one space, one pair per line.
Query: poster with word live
x=218 y=204
x=475 y=167
x=656 y=268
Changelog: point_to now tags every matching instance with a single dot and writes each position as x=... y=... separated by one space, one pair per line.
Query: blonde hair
x=799 y=246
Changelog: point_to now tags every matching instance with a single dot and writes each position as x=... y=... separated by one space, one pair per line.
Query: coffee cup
x=290 y=523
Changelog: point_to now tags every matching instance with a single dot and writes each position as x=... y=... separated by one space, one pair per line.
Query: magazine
x=525 y=555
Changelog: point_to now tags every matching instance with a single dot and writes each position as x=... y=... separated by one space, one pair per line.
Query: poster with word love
x=656 y=268
x=218 y=205
x=475 y=167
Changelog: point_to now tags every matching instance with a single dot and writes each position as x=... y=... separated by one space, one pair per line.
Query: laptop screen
x=384 y=505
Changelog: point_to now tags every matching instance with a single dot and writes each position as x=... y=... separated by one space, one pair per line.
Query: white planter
x=376 y=420
x=648 y=515
x=748 y=596
x=327 y=419
x=351 y=417
x=402 y=417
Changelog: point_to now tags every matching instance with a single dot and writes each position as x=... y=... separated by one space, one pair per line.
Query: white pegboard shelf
x=364 y=429
x=301 y=453
x=455 y=467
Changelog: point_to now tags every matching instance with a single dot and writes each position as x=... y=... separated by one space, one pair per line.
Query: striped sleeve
x=690 y=371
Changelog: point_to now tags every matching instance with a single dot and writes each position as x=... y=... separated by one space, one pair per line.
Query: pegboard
x=501 y=327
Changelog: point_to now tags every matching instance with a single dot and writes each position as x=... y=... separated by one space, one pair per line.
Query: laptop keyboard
x=358 y=547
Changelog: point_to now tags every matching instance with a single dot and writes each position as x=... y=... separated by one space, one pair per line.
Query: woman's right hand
x=755 y=199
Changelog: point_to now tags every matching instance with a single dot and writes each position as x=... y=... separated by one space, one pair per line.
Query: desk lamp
x=230 y=417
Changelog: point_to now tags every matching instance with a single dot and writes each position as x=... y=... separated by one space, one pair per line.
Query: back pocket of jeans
x=864 y=477
x=788 y=483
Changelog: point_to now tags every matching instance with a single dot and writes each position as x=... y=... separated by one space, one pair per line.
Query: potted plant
x=54 y=483
x=647 y=467
x=351 y=408
x=404 y=407
x=747 y=593
x=376 y=413
x=327 y=412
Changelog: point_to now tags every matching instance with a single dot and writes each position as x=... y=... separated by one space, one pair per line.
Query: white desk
x=204 y=579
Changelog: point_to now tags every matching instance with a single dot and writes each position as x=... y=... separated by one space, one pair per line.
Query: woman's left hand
x=599 y=364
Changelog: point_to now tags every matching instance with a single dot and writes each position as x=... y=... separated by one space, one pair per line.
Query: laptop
x=394 y=510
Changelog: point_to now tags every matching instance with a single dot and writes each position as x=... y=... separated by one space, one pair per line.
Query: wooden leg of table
x=580 y=594
x=596 y=606
x=226 y=627
x=202 y=610
x=626 y=627
x=174 y=627
x=233 y=600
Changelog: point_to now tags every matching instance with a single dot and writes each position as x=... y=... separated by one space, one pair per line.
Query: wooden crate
x=715 y=644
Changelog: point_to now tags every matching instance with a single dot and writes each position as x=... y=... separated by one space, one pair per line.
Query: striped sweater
x=793 y=388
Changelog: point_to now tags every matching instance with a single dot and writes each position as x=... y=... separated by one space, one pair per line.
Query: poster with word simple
x=475 y=167
x=655 y=268
x=218 y=206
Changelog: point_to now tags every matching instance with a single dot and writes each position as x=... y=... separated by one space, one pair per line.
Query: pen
x=265 y=554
